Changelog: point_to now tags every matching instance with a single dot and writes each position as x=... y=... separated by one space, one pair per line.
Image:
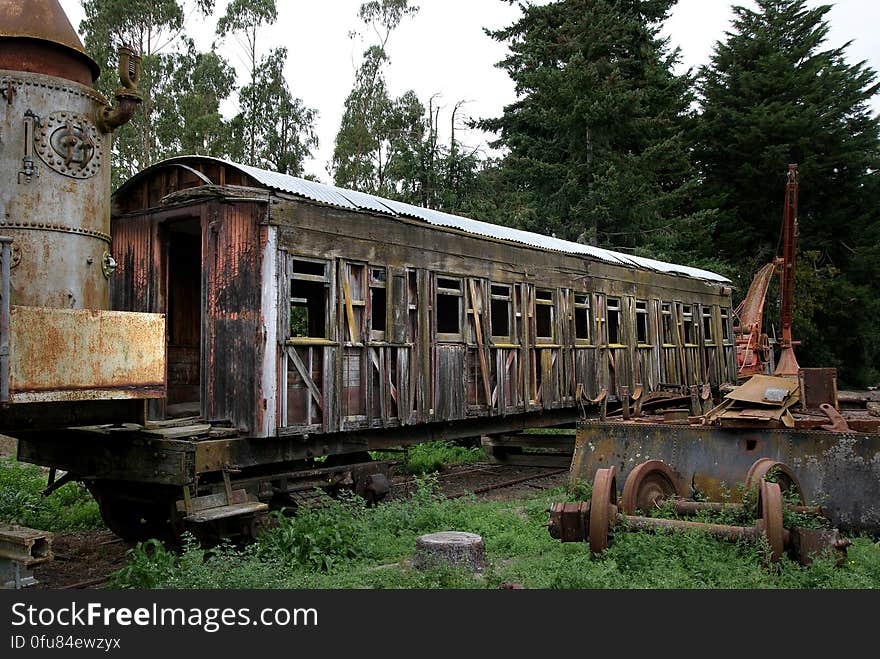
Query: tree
x=274 y=129
x=187 y=106
x=773 y=94
x=281 y=126
x=155 y=29
x=373 y=124
x=594 y=141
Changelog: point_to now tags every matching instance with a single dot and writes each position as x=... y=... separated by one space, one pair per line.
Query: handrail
x=5 y=273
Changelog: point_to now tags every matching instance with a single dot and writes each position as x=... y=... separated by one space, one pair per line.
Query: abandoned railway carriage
x=300 y=309
x=306 y=320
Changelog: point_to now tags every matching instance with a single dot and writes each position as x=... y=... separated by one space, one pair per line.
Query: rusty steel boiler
x=55 y=138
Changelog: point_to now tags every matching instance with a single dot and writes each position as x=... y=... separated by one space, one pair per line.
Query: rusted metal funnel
x=36 y=37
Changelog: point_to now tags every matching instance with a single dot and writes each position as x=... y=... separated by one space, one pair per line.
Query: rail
x=5 y=269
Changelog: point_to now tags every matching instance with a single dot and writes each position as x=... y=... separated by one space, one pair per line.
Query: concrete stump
x=454 y=548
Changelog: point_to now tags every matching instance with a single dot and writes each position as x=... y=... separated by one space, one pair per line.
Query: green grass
x=71 y=508
x=349 y=546
x=435 y=456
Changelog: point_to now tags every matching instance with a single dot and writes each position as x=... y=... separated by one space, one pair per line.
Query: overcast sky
x=443 y=50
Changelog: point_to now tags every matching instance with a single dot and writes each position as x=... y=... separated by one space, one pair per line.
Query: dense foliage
x=183 y=88
x=70 y=508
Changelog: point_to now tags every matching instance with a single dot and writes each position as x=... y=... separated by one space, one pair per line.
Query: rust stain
x=67 y=350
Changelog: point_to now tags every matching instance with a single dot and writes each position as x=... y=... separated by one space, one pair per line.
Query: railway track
x=482 y=478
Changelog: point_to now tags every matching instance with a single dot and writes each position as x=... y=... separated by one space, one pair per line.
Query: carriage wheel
x=770 y=501
x=781 y=473
x=649 y=484
x=604 y=496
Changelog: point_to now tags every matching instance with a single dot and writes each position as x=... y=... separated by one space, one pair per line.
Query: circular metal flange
x=781 y=473
x=649 y=484
x=770 y=502
x=604 y=497
x=70 y=144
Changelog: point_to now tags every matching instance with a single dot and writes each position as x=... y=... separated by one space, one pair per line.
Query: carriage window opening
x=613 y=320
x=544 y=314
x=642 y=334
x=449 y=301
x=687 y=318
x=499 y=311
x=308 y=309
x=582 y=317
x=668 y=324
x=708 y=334
x=378 y=302
x=378 y=308
x=309 y=268
x=725 y=323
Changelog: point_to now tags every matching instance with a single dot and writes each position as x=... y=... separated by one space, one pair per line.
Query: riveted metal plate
x=70 y=144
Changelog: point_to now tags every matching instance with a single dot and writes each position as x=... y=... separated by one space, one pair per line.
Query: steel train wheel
x=649 y=484
x=781 y=474
x=770 y=502
x=604 y=497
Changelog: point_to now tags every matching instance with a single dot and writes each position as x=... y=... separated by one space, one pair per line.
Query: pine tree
x=595 y=138
x=774 y=94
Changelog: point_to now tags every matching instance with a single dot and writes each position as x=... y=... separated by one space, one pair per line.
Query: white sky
x=443 y=50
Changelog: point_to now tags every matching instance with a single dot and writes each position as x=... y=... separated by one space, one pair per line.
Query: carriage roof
x=361 y=201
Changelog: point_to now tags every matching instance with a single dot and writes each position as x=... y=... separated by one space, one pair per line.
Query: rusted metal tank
x=55 y=138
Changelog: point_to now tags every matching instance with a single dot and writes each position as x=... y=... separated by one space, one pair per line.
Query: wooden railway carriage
x=299 y=309
x=304 y=320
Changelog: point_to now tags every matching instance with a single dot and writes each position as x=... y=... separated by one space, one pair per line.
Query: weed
x=70 y=508
x=149 y=565
x=579 y=490
x=435 y=456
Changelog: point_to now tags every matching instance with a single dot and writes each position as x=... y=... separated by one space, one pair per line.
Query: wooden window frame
x=511 y=332
x=646 y=313
x=619 y=310
x=540 y=302
x=584 y=305
x=450 y=337
x=377 y=336
x=708 y=311
x=667 y=314
x=326 y=280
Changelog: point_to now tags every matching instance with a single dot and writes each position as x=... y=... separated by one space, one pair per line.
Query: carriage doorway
x=184 y=317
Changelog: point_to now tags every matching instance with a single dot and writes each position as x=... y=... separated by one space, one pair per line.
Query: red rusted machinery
x=66 y=359
x=753 y=351
x=652 y=483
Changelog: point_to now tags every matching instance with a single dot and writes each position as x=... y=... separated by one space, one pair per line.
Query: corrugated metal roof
x=353 y=200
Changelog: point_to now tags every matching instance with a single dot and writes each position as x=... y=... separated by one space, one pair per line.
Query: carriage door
x=184 y=316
